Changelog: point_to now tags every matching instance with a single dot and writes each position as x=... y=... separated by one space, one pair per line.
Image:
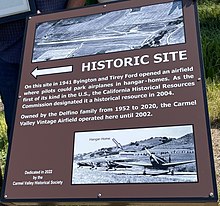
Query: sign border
x=211 y=198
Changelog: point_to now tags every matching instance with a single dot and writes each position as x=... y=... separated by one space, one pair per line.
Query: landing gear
x=172 y=171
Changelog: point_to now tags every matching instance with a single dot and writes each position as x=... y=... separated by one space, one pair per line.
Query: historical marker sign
x=111 y=104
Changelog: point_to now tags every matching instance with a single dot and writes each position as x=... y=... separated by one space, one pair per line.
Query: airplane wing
x=135 y=164
x=173 y=164
x=145 y=165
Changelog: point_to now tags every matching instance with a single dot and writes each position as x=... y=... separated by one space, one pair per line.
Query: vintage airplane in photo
x=91 y=165
x=114 y=165
x=157 y=163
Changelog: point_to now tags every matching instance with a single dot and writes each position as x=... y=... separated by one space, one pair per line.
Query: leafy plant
x=3 y=141
x=209 y=16
x=213 y=95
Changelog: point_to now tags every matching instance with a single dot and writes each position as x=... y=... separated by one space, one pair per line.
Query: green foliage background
x=3 y=140
x=209 y=17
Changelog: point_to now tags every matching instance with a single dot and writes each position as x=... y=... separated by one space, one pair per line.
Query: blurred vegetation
x=213 y=95
x=209 y=17
x=3 y=141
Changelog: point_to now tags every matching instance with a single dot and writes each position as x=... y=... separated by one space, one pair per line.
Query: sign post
x=112 y=107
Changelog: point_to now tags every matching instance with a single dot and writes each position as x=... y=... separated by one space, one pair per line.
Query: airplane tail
x=117 y=143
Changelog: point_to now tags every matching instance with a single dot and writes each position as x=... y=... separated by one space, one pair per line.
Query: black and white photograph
x=139 y=155
x=115 y=31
